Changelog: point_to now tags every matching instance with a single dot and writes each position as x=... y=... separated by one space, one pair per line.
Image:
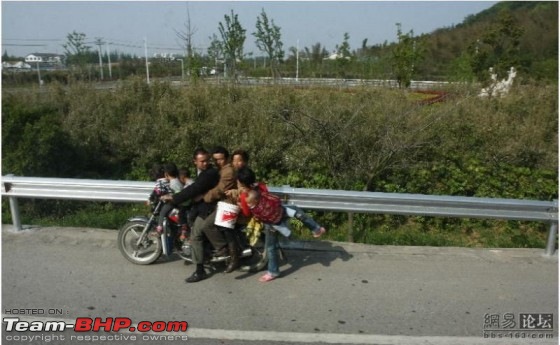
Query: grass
x=369 y=229
x=427 y=231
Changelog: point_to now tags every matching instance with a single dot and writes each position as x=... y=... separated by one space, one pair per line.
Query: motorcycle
x=140 y=244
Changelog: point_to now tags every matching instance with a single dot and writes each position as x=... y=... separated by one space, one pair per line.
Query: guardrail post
x=551 y=243
x=350 y=237
x=14 y=208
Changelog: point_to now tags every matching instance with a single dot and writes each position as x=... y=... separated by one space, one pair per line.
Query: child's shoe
x=267 y=277
x=184 y=233
x=158 y=232
x=318 y=233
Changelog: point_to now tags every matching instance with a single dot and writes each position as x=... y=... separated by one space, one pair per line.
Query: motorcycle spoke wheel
x=145 y=253
x=257 y=261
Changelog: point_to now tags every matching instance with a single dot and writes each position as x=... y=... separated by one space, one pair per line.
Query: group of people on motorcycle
x=232 y=181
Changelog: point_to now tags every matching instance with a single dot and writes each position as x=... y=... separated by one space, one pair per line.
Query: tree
x=186 y=39
x=76 y=49
x=407 y=53
x=268 y=41
x=343 y=55
x=316 y=54
x=233 y=38
x=78 y=54
x=215 y=50
x=498 y=48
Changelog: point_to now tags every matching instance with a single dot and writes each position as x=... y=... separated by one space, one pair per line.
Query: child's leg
x=283 y=227
x=183 y=222
x=182 y=215
x=271 y=243
x=162 y=214
x=295 y=212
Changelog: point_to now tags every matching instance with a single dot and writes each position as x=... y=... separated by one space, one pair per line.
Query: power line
x=24 y=45
x=32 y=39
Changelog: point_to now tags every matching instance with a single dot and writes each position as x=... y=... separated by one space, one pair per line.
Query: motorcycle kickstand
x=282 y=254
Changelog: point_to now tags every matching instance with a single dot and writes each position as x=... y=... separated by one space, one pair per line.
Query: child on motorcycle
x=255 y=199
x=162 y=184
x=184 y=220
x=171 y=173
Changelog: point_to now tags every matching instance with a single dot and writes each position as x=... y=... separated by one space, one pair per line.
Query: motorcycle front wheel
x=145 y=253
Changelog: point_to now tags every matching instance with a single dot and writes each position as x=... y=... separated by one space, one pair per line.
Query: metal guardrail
x=15 y=187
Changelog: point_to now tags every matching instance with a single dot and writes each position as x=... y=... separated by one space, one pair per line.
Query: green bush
x=351 y=139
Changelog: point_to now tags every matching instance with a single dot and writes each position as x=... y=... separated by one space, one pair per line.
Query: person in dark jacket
x=207 y=178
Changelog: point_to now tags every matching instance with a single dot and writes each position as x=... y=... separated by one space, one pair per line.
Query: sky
x=43 y=26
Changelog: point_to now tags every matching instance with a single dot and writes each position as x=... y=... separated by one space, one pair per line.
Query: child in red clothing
x=254 y=199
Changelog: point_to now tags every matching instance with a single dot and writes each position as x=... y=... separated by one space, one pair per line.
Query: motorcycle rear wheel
x=257 y=261
x=149 y=250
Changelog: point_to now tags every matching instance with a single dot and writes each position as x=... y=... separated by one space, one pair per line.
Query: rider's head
x=245 y=178
x=240 y=159
x=220 y=155
x=170 y=170
x=201 y=159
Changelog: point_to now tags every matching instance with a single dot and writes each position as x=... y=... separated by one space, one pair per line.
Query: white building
x=45 y=58
x=16 y=65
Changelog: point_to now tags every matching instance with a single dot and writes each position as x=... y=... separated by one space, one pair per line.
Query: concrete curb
x=106 y=238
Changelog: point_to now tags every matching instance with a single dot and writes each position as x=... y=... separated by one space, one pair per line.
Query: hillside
x=538 y=45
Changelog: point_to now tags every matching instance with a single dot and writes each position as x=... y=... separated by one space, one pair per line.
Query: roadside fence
x=14 y=187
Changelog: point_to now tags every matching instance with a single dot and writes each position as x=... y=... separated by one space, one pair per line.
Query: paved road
x=330 y=292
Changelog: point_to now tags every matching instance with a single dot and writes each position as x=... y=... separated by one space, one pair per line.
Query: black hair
x=244 y=154
x=246 y=176
x=156 y=172
x=199 y=151
x=171 y=169
x=184 y=171
x=222 y=150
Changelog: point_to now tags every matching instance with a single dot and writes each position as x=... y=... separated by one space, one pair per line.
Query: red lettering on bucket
x=228 y=216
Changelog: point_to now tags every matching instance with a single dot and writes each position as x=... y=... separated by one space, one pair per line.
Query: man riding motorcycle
x=207 y=178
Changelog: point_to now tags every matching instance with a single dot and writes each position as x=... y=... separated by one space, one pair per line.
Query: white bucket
x=226 y=215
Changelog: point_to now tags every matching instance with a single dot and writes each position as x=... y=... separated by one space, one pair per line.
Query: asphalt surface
x=329 y=292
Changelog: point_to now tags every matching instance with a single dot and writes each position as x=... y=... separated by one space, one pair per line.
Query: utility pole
x=99 y=42
x=146 y=54
x=109 y=59
x=182 y=69
x=297 y=60
x=39 y=74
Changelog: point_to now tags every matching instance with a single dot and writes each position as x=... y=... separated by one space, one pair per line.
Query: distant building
x=15 y=65
x=336 y=56
x=45 y=58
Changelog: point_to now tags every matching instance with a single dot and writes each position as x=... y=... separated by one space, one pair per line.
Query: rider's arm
x=227 y=182
x=205 y=181
x=262 y=187
x=245 y=210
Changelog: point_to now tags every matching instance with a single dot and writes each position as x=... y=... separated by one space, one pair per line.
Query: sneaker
x=267 y=277
x=319 y=233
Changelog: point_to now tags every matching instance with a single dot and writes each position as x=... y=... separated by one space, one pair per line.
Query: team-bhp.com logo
x=86 y=324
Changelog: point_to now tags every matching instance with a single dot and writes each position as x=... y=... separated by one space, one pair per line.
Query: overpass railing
x=15 y=187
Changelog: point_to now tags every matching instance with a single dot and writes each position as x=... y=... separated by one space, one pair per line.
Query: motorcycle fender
x=138 y=219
